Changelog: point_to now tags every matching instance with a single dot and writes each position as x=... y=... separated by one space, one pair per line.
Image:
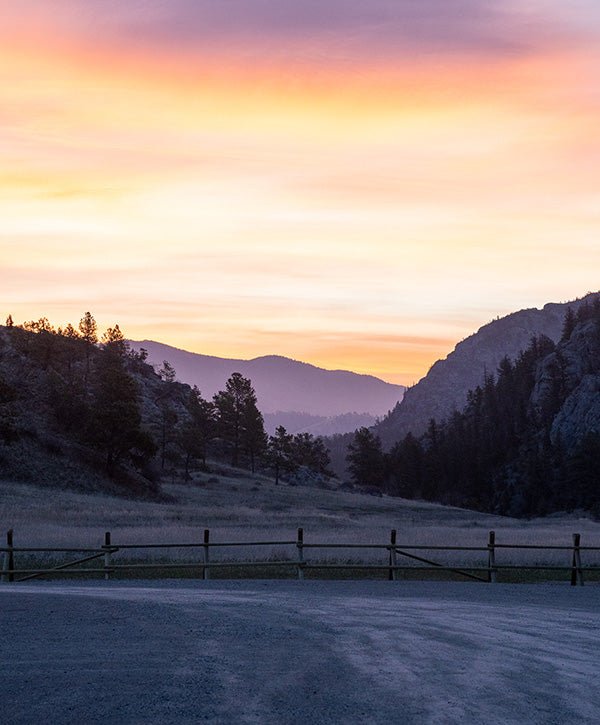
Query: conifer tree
x=311 y=452
x=568 y=324
x=280 y=453
x=114 y=340
x=115 y=424
x=89 y=334
x=88 y=329
x=167 y=372
x=239 y=422
x=196 y=432
x=365 y=459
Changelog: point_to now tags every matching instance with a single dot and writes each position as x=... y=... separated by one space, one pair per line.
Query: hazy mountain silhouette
x=317 y=425
x=282 y=384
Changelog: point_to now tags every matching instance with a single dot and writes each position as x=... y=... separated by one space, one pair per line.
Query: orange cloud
x=361 y=210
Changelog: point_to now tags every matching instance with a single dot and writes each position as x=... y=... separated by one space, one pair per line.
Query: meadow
x=238 y=507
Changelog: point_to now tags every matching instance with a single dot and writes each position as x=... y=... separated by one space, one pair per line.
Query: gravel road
x=299 y=652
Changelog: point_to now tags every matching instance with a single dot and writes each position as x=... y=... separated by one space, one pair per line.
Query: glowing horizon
x=357 y=187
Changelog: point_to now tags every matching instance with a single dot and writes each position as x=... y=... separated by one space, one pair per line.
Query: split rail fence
x=411 y=556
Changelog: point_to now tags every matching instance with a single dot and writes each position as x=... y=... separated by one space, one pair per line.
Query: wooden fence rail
x=486 y=571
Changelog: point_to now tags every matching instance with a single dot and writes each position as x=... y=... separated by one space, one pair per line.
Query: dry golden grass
x=239 y=507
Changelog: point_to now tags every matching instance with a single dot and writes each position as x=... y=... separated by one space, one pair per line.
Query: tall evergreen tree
x=114 y=340
x=568 y=324
x=88 y=329
x=8 y=418
x=115 y=424
x=280 y=453
x=196 y=432
x=239 y=423
x=253 y=436
x=366 y=463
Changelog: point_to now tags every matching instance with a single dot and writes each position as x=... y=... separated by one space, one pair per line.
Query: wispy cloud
x=356 y=183
x=312 y=30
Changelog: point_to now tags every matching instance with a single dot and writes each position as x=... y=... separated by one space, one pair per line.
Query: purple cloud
x=384 y=28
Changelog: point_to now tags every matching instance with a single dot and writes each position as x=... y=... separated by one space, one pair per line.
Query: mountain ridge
x=448 y=381
x=282 y=384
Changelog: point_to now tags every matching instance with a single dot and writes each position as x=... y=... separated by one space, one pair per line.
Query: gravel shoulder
x=299 y=652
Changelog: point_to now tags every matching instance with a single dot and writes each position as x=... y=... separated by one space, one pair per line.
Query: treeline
x=500 y=454
x=98 y=393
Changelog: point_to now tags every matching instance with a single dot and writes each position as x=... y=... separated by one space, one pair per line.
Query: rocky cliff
x=567 y=386
x=445 y=387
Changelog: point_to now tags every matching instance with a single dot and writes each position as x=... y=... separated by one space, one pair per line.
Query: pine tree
x=197 y=431
x=253 y=436
x=280 y=453
x=366 y=463
x=114 y=340
x=239 y=423
x=115 y=425
x=89 y=334
x=311 y=452
x=8 y=418
x=167 y=372
x=88 y=329
x=568 y=324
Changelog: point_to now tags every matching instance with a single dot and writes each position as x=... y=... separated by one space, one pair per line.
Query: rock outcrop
x=445 y=387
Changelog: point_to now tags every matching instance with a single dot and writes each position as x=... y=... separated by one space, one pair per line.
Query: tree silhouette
x=115 y=425
x=280 y=453
x=311 y=452
x=239 y=423
x=167 y=372
x=89 y=334
x=365 y=459
x=197 y=431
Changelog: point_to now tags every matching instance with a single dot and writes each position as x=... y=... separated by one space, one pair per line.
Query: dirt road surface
x=299 y=652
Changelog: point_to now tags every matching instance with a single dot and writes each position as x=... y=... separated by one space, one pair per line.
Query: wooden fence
x=392 y=551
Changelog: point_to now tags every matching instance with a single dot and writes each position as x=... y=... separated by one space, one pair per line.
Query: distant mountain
x=317 y=425
x=445 y=387
x=282 y=384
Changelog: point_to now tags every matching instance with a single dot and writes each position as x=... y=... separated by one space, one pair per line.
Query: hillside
x=95 y=415
x=446 y=385
x=282 y=384
x=527 y=442
x=76 y=414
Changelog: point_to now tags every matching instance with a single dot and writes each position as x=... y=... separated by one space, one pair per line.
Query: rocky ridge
x=446 y=385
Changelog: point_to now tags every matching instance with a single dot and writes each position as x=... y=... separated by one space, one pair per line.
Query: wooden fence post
x=206 y=570
x=9 y=559
x=11 y=555
x=492 y=571
x=4 y=575
x=300 y=545
x=106 y=555
x=576 y=572
x=392 y=571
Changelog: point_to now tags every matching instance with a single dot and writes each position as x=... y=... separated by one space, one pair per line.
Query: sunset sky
x=358 y=184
